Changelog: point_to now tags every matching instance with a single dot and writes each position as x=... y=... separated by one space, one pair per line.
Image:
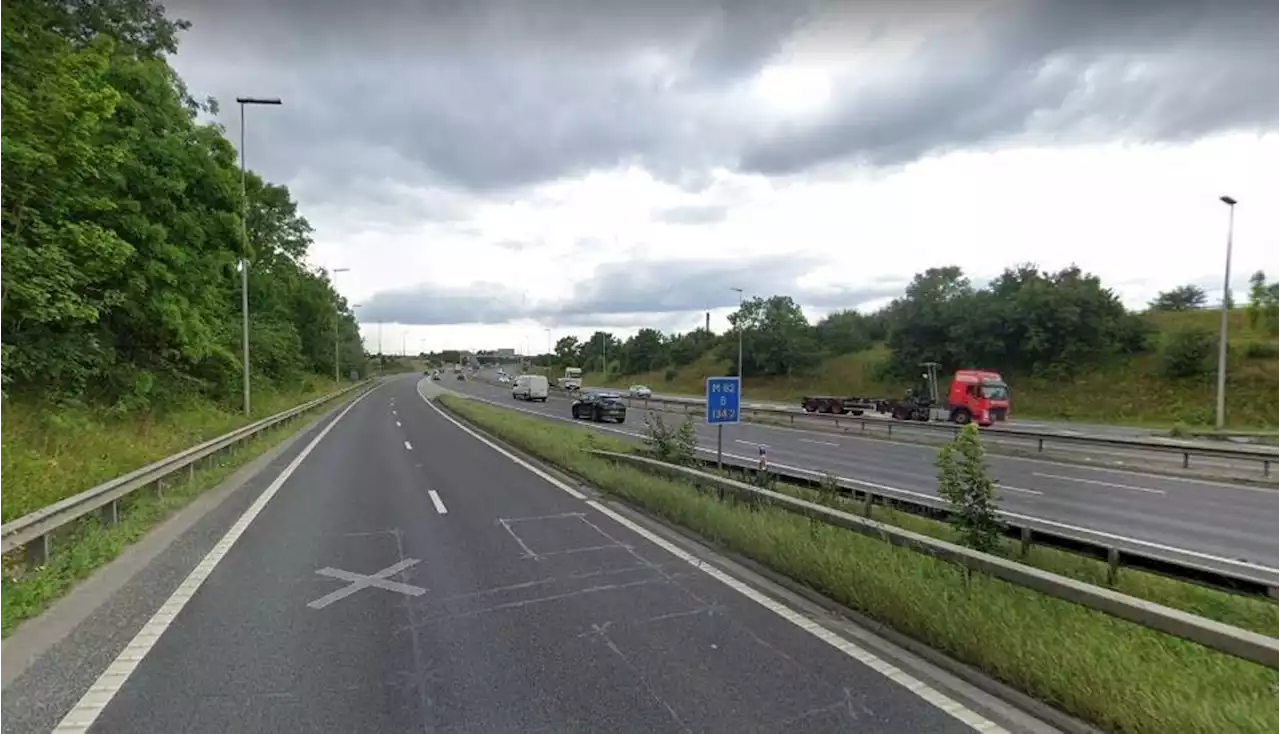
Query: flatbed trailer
x=837 y=405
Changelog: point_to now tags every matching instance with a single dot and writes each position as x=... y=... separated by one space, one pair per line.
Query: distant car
x=461 y=376
x=435 y=375
x=599 y=406
x=640 y=391
x=503 y=379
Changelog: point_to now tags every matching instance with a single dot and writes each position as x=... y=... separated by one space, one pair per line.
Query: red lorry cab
x=978 y=395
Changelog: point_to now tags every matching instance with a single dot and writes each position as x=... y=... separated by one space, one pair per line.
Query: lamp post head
x=1227 y=200
x=258 y=100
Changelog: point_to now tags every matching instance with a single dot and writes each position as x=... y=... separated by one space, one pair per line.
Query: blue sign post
x=724 y=398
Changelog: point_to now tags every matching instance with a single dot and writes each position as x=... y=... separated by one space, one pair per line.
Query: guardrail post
x=191 y=473
x=867 y=497
x=1113 y=565
x=1266 y=468
x=36 y=552
x=111 y=513
x=1024 y=541
x=1040 y=445
x=890 y=425
x=1186 y=459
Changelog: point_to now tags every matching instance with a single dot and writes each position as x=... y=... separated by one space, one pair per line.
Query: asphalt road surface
x=402 y=575
x=1220 y=525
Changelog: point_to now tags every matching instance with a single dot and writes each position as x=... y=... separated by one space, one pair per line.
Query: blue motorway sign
x=723 y=400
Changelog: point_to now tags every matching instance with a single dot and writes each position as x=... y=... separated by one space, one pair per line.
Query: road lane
x=351 y=603
x=1226 y=521
x=874 y=424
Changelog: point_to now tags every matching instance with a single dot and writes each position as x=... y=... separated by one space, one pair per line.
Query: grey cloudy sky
x=417 y=135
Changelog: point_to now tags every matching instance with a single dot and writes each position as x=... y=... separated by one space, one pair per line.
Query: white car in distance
x=640 y=391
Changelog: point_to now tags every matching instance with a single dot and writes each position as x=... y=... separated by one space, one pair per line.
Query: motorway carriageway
x=1115 y=457
x=1218 y=525
x=394 y=572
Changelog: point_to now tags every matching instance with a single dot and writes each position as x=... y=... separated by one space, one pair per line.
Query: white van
x=530 y=387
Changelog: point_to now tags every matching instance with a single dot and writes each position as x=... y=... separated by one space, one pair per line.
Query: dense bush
x=121 y=224
x=1188 y=353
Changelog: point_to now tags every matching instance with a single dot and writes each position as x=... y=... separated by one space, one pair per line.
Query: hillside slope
x=1132 y=391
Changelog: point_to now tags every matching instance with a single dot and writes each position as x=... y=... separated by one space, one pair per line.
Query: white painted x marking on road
x=362 y=581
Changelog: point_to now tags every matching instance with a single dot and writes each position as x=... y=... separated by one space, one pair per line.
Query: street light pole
x=1221 y=414
x=244 y=243
x=337 y=366
x=739 y=325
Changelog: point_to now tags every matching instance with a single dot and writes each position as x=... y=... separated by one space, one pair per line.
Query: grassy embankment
x=1118 y=675
x=1129 y=393
x=50 y=454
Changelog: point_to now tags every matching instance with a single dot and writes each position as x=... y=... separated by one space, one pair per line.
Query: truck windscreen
x=995 y=391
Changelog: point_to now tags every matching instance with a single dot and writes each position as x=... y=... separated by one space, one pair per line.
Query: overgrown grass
x=1132 y=392
x=90 y=544
x=54 y=453
x=1118 y=675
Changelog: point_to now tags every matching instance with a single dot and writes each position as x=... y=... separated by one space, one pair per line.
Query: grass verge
x=1118 y=675
x=52 y=453
x=90 y=544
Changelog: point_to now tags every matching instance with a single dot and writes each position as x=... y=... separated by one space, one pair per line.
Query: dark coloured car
x=599 y=406
x=461 y=376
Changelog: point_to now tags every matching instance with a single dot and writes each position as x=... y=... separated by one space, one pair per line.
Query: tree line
x=1028 y=321
x=122 y=225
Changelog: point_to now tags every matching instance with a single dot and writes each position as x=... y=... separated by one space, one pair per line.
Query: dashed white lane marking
x=892 y=672
x=1019 y=489
x=439 y=503
x=1097 y=482
x=820 y=443
x=751 y=443
x=90 y=706
x=408 y=445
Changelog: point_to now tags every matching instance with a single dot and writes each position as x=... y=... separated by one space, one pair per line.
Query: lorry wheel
x=961 y=416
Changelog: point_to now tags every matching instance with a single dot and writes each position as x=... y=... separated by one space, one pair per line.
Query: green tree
x=965 y=483
x=684 y=349
x=777 y=338
x=643 y=352
x=61 y=161
x=1182 y=298
x=845 y=332
x=1264 y=302
x=1188 y=353
x=121 y=224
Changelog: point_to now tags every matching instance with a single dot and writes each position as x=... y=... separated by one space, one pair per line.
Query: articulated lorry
x=980 y=396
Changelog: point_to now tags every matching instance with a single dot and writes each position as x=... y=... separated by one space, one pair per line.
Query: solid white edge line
x=439 y=503
x=1101 y=534
x=91 y=704
x=914 y=685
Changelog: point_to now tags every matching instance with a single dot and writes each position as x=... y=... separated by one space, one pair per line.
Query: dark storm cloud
x=632 y=293
x=1058 y=71
x=488 y=95
x=484 y=95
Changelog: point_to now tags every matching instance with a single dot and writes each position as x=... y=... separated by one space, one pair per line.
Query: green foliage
x=1263 y=310
x=1188 y=353
x=121 y=225
x=964 y=482
x=1025 y=321
x=1182 y=298
x=776 y=338
x=845 y=332
x=677 y=444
